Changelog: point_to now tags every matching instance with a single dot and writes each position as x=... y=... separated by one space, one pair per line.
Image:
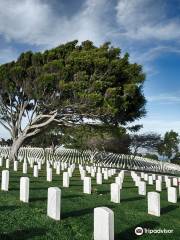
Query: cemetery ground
x=20 y=220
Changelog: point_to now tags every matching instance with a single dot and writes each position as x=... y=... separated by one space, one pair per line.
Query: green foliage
x=83 y=137
x=151 y=156
x=169 y=145
x=145 y=141
x=176 y=158
x=93 y=81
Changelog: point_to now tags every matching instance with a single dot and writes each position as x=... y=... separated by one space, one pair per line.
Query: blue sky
x=148 y=29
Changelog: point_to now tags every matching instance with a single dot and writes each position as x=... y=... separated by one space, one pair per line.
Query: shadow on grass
x=130 y=232
x=103 y=192
x=75 y=185
x=23 y=234
x=14 y=181
x=72 y=196
x=81 y=212
x=167 y=209
x=132 y=199
x=129 y=187
x=38 y=199
x=8 y=208
x=13 y=189
x=38 y=188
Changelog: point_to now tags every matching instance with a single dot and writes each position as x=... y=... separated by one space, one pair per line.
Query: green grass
x=29 y=221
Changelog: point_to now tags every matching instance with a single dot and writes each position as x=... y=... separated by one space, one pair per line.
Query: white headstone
x=175 y=182
x=154 y=176
x=5 y=180
x=142 y=188
x=24 y=189
x=65 y=179
x=137 y=181
x=160 y=178
x=35 y=172
x=54 y=203
x=168 y=182
x=7 y=163
x=158 y=185
x=93 y=173
x=70 y=172
x=172 y=194
x=83 y=174
x=142 y=174
x=55 y=164
x=115 y=193
x=87 y=185
x=106 y=175
x=39 y=165
x=118 y=180
x=49 y=174
x=24 y=167
x=58 y=169
x=15 y=166
x=103 y=224
x=1 y=161
x=99 y=178
x=62 y=166
x=31 y=163
x=154 y=203
x=150 y=180
x=146 y=177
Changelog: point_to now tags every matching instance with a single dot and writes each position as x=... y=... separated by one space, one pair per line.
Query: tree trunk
x=17 y=143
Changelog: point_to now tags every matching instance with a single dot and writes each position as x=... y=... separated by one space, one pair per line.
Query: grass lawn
x=29 y=221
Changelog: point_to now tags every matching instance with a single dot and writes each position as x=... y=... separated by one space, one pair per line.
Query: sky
x=149 y=30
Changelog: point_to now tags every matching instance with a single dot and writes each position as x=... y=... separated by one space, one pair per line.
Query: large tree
x=168 y=146
x=66 y=85
x=98 y=137
x=145 y=141
x=85 y=136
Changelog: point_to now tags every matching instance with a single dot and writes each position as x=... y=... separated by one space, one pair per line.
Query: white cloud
x=165 y=98
x=159 y=125
x=154 y=52
x=146 y=20
x=147 y=31
x=35 y=22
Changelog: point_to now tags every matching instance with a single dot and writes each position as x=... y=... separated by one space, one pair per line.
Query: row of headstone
x=154 y=197
x=115 y=187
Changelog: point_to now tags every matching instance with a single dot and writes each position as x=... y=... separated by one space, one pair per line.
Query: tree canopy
x=145 y=141
x=168 y=146
x=68 y=84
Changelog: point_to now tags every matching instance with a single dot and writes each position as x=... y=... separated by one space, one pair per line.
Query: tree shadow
x=23 y=234
x=130 y=232
x=72 y=196
x=14 y=181
x=81 y=212
x=77 y=213
x=13 y=189
x=38 y=199
x=76 y=185
x=169 y=208
x=8 y=208
x=38 y=188
x=130 y=187
x=132 y=199
x=55 y=180
x=103 y=192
